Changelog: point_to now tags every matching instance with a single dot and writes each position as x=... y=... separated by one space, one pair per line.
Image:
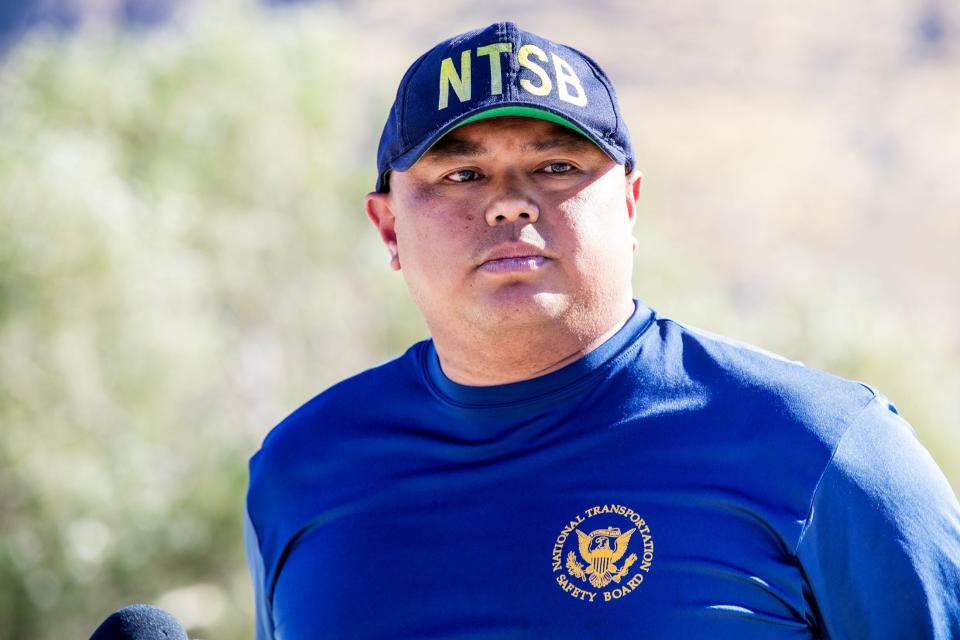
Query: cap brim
x=518 y=111
x=408 y=159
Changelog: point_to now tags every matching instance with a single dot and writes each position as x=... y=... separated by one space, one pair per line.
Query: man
x=559 y=461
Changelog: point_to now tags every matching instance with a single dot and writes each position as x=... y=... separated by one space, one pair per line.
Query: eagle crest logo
x=601 y=549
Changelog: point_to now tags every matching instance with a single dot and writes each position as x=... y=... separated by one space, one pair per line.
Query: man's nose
x=511 y=202
x=511 y=208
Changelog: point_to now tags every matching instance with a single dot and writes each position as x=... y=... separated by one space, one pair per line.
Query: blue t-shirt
x=670 y=484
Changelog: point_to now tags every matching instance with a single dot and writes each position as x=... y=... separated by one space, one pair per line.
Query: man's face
x=509 y=222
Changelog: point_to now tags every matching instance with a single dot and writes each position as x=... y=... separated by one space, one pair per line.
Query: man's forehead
x=480 y=138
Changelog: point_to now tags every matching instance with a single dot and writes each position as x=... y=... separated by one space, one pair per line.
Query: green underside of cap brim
x=523 y=112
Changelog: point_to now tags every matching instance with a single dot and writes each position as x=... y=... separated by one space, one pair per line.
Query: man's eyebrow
x=448 y=147
x=561 y=140
x=454 y=147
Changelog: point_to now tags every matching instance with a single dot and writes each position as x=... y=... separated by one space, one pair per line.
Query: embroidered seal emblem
x=592 y=558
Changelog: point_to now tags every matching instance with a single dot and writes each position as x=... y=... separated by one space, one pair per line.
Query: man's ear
x=380 y=212
x=634 y=184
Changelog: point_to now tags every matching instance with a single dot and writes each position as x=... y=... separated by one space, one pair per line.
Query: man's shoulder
x=349 y=403
x=750 y=378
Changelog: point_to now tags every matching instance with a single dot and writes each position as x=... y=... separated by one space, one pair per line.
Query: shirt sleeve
x=264 y=618
x=881 y=545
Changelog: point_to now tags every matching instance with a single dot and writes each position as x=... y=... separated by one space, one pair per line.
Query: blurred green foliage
x=184 y=260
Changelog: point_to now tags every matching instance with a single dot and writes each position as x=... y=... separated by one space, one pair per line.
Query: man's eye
x=558 y=167
x=464 y=175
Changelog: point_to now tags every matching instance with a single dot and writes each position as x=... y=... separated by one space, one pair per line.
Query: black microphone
x=140 y=622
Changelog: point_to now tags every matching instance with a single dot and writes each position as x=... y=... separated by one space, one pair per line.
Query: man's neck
x=491 y=358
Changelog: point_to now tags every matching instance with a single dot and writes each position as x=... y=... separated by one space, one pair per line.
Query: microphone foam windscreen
x=140 y=622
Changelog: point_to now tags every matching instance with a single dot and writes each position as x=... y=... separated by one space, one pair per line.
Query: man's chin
x=522 y=305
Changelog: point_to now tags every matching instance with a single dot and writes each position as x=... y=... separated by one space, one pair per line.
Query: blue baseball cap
x=499 y=71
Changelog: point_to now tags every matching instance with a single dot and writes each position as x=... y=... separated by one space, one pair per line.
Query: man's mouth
x=514 y=257
x=513 y=264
